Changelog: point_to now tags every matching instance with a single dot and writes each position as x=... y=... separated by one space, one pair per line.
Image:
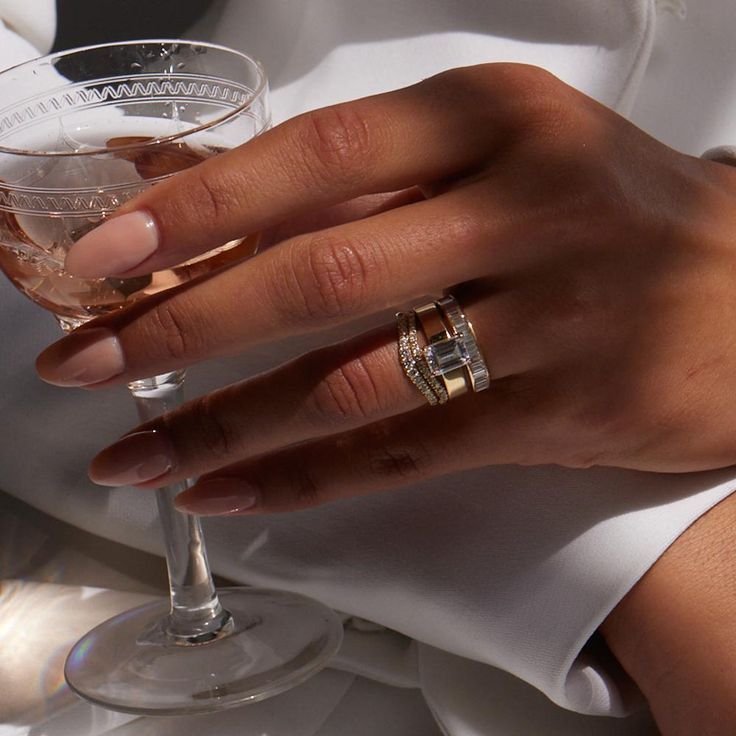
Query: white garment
x=505 y=566
x=29 y=27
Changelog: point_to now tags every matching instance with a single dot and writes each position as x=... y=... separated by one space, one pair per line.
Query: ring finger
x=326 y=392
x=306 y=284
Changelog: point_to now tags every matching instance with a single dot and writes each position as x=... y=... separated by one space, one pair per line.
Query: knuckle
x=286 y=484
x=515 y=86
x=511 y=77
x=406 y=462
x=331 y=277
x=209 y=196
x=217 y=438
x=541 y=106
x=531 y=90
x=519 y=101
x=172 y=332
x=348 y=394
x=528 y=81
x=338 y=142
x=307 y=491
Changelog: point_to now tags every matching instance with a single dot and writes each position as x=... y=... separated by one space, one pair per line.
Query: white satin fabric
x=29 y=28
x=504 y=567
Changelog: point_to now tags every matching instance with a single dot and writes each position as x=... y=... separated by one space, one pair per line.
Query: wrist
x=675 y=632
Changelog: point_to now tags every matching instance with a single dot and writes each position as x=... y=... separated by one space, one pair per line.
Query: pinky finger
x=384 y=456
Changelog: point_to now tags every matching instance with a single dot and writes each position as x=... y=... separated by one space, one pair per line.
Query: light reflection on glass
x=42 y=616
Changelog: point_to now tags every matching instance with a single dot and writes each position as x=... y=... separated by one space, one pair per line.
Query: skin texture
x=675 y=632
x=595 y=263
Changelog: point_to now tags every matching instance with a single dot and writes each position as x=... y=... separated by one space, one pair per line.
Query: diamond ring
x=450 y=362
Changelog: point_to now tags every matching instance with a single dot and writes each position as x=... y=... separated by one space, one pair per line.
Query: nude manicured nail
x=217 y=497
x=84 y=358
x=115 y=247
x=137 y=458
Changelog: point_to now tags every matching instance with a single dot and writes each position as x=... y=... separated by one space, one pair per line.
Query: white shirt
x=502 y=567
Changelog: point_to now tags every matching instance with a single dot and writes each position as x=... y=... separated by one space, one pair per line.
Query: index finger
x=435 y=129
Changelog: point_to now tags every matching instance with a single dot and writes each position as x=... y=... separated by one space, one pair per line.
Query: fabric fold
x=35 y=22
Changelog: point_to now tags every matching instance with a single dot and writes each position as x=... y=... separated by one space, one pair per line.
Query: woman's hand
x=595 y=263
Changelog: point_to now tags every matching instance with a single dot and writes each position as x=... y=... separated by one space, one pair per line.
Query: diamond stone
x=446 y=355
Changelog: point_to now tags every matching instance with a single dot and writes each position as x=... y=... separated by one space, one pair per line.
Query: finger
x=440 y=127
x=474 y=430
x=304 y=285
x=330 y=390
x=339 y=214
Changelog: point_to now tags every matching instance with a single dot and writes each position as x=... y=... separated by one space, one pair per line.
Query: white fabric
x=13 y=48
x=43 y=619
x=32 y=22
x=325 y=51
x=688 y=96
x=506 y=566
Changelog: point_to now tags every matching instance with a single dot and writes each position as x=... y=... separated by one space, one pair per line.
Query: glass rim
x=257 y=92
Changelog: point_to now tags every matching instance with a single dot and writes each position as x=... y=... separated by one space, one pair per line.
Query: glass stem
x=196 y=615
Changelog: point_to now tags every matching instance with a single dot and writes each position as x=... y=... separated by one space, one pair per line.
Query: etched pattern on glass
x=80 y=95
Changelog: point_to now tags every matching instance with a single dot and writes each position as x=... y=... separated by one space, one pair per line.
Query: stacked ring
x=443 y=351
x=480 y=378
x=450 y=362
x=412 y=361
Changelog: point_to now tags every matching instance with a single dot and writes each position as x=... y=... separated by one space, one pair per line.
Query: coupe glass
x=81 y=132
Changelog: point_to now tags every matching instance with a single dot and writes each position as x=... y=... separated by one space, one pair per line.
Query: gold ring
x=412 y=361
x=442 y=351
x=450 y=361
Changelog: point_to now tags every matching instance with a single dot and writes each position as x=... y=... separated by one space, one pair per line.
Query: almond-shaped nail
x=114 y=247
x=136 y=458
x=217 y=497
x=83 y=358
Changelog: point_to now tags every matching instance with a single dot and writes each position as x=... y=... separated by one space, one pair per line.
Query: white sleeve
x=512 y=568
x=26 y=30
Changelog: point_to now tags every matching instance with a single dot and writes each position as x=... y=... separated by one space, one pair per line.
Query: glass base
x=277 y=640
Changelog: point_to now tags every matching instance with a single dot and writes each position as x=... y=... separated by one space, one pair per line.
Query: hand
x=595 y=263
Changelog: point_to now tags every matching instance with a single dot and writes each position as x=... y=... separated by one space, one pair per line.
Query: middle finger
x=306 y=284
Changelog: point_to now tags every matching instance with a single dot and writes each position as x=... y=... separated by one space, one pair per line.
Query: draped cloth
x=502 y=568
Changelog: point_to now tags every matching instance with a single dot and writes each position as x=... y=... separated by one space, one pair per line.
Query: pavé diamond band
x=412 y=361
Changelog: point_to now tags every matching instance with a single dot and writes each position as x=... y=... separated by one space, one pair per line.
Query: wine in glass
x=82 y=132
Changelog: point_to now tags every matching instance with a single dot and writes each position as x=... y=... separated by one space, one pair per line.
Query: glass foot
x=276 y=641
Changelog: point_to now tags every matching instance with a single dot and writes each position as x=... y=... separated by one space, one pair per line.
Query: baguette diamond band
x=450 y=362
x=477 y=369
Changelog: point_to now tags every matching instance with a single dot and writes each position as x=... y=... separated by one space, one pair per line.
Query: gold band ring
x=440 y=349
x=450 y=362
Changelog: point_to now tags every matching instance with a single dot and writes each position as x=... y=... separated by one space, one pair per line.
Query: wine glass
x=81 y=132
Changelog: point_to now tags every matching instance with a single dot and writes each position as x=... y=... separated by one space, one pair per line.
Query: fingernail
x=115 y=247
x=217 y=497
x=136 y=458
x=85 y=357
